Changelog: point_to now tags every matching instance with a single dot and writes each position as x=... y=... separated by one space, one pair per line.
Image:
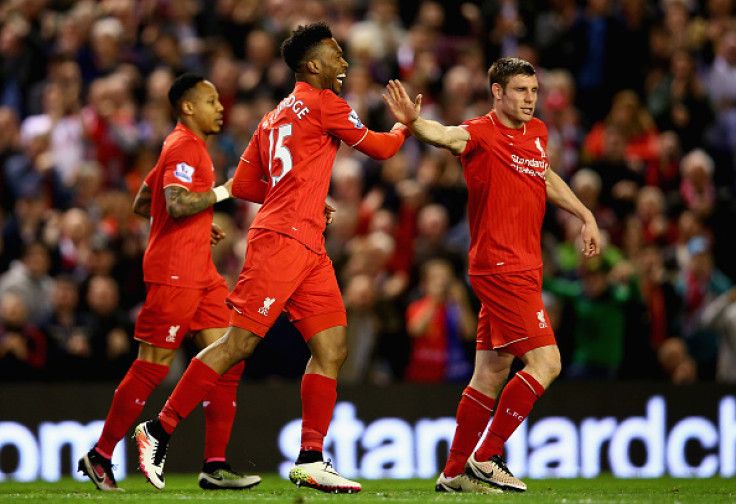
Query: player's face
x=516 y=102
x=207 y=109
x=334 y=66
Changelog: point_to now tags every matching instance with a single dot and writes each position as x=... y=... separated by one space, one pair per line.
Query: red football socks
x=219 y=413
x=473 y=414
x=128 y=402
x=196 y=383
x=319 y=394
x=515 y=403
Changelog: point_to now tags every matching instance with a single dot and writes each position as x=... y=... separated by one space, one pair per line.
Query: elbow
x=241 y=194
x=238 y=192
x=254 y=191
x=142 y=208
x=239 y=187
x=174 y=211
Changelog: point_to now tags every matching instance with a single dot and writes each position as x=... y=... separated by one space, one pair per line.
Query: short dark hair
x=181 y=86
x=503 y=69
x=34 y=246
x=302 y=42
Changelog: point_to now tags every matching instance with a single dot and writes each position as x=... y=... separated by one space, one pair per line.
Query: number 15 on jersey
x=279 y=152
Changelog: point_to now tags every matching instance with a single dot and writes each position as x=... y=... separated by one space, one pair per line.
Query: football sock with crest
x=514 y=405
x=193 y=386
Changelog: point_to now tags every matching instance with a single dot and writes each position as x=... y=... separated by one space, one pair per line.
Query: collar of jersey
x=191 y=133
x=303 y=86
x=509 y=131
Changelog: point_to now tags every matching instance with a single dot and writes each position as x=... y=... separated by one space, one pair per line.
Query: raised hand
x=404 y=110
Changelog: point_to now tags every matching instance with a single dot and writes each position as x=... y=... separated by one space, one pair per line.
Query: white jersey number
x=280 y=152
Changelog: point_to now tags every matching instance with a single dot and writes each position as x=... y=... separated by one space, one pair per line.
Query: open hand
x=404 y=110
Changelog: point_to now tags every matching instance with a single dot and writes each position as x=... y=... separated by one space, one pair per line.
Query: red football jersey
x=294 y=147
x=505 y=173
x=178 y=251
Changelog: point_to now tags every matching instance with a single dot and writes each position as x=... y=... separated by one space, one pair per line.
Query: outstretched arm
x=452 y=138
x=560 y=194
x=382 y=145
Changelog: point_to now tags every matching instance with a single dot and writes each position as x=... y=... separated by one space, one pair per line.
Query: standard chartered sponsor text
x=392 y=447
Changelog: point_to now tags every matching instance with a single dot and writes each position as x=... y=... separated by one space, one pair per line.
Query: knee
x=544 y=364
x=554 y=368
x=339 y=354
x=333 y=355
x=241 y=346
x=489 y=381
x=486 y=375
x=546 y=370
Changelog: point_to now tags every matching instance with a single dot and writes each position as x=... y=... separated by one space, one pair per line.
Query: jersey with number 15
x=294 y=147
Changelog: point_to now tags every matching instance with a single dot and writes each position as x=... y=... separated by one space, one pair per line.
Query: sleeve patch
x=184 y=172
x=353 y=118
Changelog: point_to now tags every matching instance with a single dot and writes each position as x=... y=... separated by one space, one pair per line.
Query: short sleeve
x=149 y=178
x=341 y=121
x=474 y=130
x=181 y=164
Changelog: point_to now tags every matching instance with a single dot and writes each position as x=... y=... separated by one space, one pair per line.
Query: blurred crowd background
x=639 y=98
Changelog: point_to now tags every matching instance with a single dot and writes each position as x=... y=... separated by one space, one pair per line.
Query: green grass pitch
x=183 y=488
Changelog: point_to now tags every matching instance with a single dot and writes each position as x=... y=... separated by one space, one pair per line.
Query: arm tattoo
x=182 y=203
x=142 y=203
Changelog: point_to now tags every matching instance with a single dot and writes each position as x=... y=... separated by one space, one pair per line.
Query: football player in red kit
x=509 y=181
x=184 y=292
x=286 y=267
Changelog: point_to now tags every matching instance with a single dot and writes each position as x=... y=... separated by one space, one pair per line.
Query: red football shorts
x=512 y=316
x=169 y=313
x=281 y=274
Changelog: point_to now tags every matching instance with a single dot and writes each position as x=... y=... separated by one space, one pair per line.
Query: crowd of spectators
x=639 y=98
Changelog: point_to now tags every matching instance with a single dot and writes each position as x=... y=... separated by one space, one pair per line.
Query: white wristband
x=221 y=193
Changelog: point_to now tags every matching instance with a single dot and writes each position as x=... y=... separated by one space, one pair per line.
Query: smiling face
x=514 y=104
x=332 y=66
x=204 y=108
